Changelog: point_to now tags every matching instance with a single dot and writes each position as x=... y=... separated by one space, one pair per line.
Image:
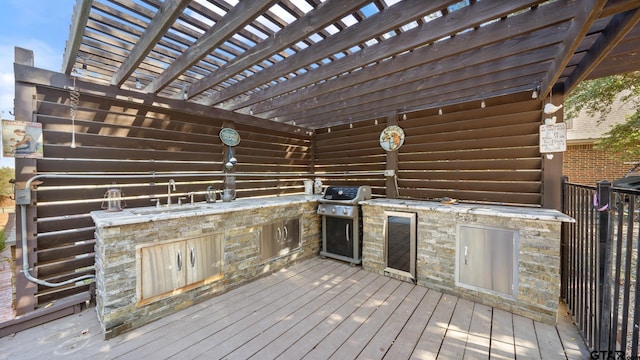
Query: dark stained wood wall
x=354 y=151
x=468 y=153
x=122 y=136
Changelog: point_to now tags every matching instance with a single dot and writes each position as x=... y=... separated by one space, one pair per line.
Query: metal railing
x=600 y=266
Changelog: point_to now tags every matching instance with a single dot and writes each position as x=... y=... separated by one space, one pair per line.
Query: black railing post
x=564 y=248
x=603 y=195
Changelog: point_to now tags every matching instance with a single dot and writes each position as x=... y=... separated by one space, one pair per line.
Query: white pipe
x=23 y=207
x=23 y=226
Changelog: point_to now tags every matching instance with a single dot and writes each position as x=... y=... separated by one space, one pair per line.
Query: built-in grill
x=342 y=223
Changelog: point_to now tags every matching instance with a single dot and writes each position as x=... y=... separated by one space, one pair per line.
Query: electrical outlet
x=389 y=173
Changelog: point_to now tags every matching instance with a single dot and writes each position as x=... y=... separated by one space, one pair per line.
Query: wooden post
x=392 y=163
x=552 y=171
x=25 y=95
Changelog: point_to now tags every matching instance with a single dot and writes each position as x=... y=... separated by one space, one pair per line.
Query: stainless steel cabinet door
x=203 y=258
x=486 y=258
x=291 y=235
x=162 y=268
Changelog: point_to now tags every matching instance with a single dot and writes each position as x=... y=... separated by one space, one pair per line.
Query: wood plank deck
x=318 y=309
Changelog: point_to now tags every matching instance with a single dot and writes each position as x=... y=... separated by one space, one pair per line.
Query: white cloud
x=45 y=57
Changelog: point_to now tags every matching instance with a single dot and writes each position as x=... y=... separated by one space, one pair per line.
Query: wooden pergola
x=316 y=64
x=309 y=85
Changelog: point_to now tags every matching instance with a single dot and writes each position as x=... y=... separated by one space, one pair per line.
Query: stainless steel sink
x=165 y=209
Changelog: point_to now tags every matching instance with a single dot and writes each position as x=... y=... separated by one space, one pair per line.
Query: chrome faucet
x=171 y=183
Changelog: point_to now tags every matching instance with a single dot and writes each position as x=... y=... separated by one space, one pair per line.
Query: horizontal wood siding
x=115 y=135
x=468 y=153
x=354 y=151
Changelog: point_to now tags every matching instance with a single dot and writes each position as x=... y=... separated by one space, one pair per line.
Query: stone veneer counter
x=236 y=227
x=538 y=250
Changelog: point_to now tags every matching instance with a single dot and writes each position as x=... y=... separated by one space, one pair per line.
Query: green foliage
x=596 y=97
x=623 y=139
x=6 y=188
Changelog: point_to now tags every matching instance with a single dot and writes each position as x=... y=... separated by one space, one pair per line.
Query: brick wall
x=585 y=165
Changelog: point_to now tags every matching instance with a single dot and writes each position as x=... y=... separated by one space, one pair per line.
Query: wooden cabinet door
x=203 y=257
x=162 y=268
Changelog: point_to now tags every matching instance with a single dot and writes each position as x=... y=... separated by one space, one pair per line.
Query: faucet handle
x=180 y=200
x=157 y=201
x=190 y=194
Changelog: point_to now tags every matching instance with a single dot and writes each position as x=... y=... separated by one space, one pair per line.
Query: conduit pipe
x=23 y=216
x=23 y=207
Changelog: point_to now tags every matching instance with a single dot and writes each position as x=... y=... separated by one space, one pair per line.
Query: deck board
x=317 y=309
x=525 y=338
x=479 y=337
x=368 y=329
x=299 y=330
x=385 y=337
x=457 y=332
x=429 y=344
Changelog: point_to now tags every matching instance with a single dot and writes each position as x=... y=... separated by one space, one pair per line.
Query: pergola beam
x=436 y=29
x=161 y=22
x=619 y=26
x=509 y=36
x=237 y=18
x=588 y=12
x=377 y=24
x=81 y=13
x=313 y=21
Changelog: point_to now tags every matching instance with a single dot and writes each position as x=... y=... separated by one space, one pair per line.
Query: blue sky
x=38 y=25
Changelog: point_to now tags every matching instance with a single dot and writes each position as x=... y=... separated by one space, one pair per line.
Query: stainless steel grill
x=342 y=223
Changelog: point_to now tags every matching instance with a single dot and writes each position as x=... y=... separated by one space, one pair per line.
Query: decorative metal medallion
x=229 y=137
x=391 y=138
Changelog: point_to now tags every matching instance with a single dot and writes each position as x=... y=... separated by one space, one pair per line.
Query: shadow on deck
x=317 y=309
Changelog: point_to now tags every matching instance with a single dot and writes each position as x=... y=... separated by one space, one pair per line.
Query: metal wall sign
x=229 y=137
x=22 y=139
x=391 y=138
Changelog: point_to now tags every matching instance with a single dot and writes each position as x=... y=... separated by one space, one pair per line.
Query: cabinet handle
x=465 y=256
x=193 y=256
x=279 y=235
x=286 y=233
x=179 y=260
x=347 y=232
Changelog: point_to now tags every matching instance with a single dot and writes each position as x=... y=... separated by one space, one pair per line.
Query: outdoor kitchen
x=305 y=178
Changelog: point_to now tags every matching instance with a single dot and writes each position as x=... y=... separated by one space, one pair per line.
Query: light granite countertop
x=477 y=209
x=129 y=216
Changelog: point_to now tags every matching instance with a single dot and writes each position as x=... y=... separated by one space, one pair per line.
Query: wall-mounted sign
x=391 y=138
x=229 y=137
x=22 y=139
x=553 y=138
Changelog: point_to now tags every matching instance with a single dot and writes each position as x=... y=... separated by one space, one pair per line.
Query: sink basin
x=164 y=209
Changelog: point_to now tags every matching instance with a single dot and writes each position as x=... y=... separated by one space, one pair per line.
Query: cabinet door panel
x=291 y=234
x=162 y=268
x=203 y=258
x=269 y=241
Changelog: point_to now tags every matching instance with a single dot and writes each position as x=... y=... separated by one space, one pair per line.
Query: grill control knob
x=344 y=211
x=321 y=209
x=333 y=211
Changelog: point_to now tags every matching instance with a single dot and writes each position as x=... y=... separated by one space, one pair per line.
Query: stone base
x=538 y=273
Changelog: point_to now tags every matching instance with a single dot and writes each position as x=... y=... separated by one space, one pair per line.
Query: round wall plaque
x=391 y=138
x=229 y=137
